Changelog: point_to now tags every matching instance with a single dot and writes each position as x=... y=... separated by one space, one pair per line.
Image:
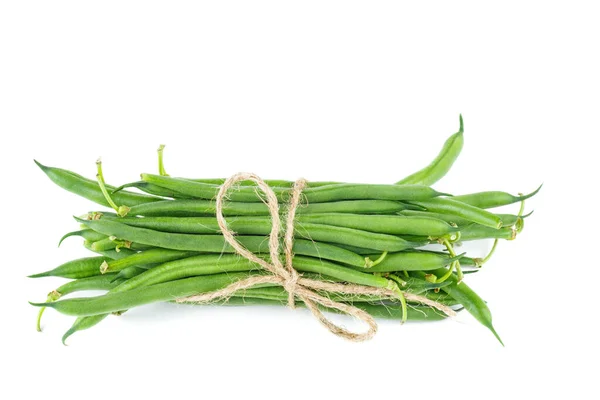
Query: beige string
x=287 y=276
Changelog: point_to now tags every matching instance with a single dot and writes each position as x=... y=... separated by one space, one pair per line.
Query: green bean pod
x=87 y=234
x=191 y=208
x=469 y=299
x=441 y=164
x=388 y=224
x=478 y=232
x=112 y=254
x=377 y=309
x=494 y=198
x=110 y=243
x=90 y=190
x=151 y=256
x=75 y=269
x=216 y=243
x=412 y=261
x=271 y=182
x=129 y=273
x=118 y=301
x=466 y=211
x=507 y=219
x=151 y=189
x=321 y=194
x=98 y=282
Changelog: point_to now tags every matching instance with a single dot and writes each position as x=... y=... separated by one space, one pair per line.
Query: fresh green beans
x=165 y=245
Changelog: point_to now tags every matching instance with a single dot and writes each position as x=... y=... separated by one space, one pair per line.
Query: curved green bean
x=90 y=190
x=469 y=299
x=441 y=164
x=87 y=234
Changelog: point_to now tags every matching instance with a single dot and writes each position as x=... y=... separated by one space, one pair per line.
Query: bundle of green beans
x=163 y=242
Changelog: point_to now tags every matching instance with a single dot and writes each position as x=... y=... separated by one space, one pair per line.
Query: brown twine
x=287 y=276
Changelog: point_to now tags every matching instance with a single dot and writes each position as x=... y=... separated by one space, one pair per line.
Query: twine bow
x=287 y=277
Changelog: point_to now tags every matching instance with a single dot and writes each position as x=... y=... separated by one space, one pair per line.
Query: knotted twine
x=287 y=277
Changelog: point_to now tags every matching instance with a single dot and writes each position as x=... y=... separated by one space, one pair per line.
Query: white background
x=327 y=90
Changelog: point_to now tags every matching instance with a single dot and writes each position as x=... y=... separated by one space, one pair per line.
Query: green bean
x=419 y=286
x=206 y=264
x=82 y=323
x=87 y=234
x=110 y=254
x=307 y=264
x=389 y=224
x=191 y=208
x=216 y=243
x=216 y=264
x=129 y=273
x=100 y=282
x=278 y=293
x=319 y=228
x=151 y=189
x=493 y=199
x=378 y=309
x=270 y=182
x=75 y=269
x=118 y=301
x=469 y=299
x=152 y=256
x=466 y=211
x=90 y=190
x=507 y=219
x=441 y=297
x=109 y=243
x=441 y=164
x=262 y=226
x=412 y=261
x=256 y=244
x=477 y=232
x=321 y=194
